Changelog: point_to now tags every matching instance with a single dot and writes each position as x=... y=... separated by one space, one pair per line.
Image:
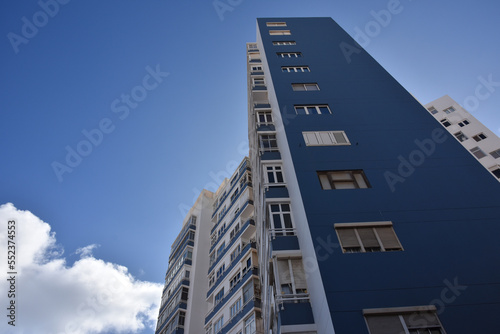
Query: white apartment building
x=471 y=133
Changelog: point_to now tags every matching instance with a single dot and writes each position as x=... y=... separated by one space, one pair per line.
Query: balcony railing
x=281 y=232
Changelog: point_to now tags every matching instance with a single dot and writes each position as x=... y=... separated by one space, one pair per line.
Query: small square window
x=495 y=154
x=463 y=123
x=445 y=122
x=479 y=137
x=478 y=153
x=449 y=110
x=432 y=110
x=461 y=137
x=343 y=179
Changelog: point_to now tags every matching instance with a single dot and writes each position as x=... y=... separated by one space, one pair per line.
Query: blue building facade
x=393 y=223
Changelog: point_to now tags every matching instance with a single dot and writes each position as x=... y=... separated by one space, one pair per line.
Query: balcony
x=294 y=309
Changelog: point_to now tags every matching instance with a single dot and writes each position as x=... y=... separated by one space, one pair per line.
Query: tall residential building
x=370 y=217
x=474 y=135
x=355 y=213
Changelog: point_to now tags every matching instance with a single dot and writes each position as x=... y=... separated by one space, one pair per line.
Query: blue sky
x=160 y=88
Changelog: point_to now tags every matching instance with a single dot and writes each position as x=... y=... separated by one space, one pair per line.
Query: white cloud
x=91 y=296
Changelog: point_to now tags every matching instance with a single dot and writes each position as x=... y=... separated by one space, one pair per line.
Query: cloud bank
x=90 y=296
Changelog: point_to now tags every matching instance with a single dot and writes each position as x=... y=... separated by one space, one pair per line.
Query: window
x=279 y=32
x=284 y=43
x=235 y=253
x=258 y=82
x=289 y=54
x=235 y=231
x=478 y=153
x=264 y=117
x=461 y=137
x=268 y=143
x=445 y=122
x=367 y=237
x=211 y=280
x=281 y=219
x=248 y=292
x=219 y=296
x=463 y=123
x=403 y=320
x=256 y=68
x=291 y=276
x=312 y=110
x=432 y=110
x=274 y=174
x=325 y=138
x=495 y=154
x=218 y=325
x=276 y=24
x=449 y=110
x=305 y=86
x=496 y=171
x=234 y=195
x=220 y=250
x=479 y=137
x=249 y=327
x=343 y=179
x=212 y=258
x=235 y=308
x=295 y=69
x=234 y=280
x=220 y=271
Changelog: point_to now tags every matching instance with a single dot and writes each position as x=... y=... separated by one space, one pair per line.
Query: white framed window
x=234 y=231
x=252 y=46
x=268 y=143
x=343 y=179
x=211 y=280
x=256 y=68
x=247 y=292
x=264 y=117
x=295 y=69
x=496 y=171
x=218 y=325
x=221 y=248
x=445 y=122
x=432 y=110
x=219 y=296
x=281 y=219
x=258 y=81
x=289 y=54
x=234 y=280
x=235 y=253
x=478 y=153
x=291 y=277
x=479 y=137
x=284 y=43
x=249 y=327
x=318 y=109
x=273 y=174
x=461 y=136
x=325 y=138
x=305 y=86
x=235 y=308
x=367 y=237
x=495 y=154
x=221 y=270
x=449 y=110
x=463 y=123
x=279 y=32
x=404 y=320
x=276 y=24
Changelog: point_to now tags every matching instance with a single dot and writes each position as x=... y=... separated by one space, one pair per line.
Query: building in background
x=355 y=213
x=474 y=136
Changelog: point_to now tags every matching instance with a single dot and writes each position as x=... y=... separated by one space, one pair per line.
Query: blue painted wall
x=446 y=213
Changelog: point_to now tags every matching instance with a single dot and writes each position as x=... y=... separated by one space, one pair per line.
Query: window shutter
x=299 y=275
x=368 y=237
x=325 y=138
x=325 y=183
x=384 y=324
x=284 y=272
x=310 y=138
x=420 y=319
x=348 y=237
x=388 y=237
